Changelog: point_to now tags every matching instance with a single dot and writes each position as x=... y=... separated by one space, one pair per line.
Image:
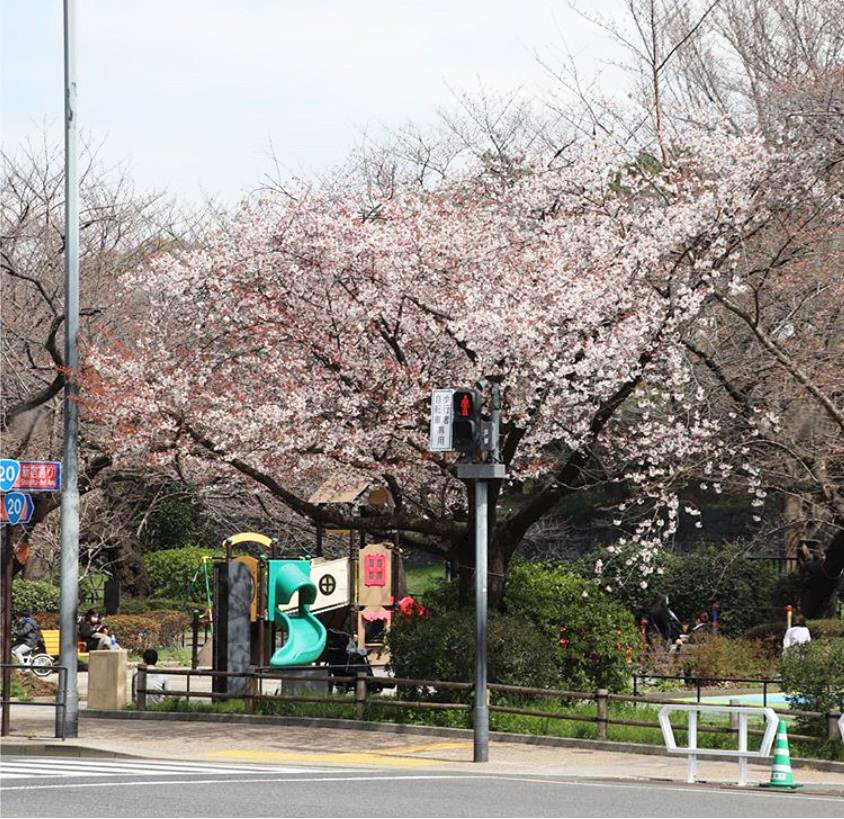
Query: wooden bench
x=51 y=645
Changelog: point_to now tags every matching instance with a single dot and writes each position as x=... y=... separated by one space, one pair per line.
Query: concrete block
x=107 y=672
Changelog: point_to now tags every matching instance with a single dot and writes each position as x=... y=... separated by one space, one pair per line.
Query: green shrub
x=722 y=574
x=723 y=657
x=813 y=679
x=695 y=580
x=595 y=640
x=35 y=595
x=170 y=571
x=558 y=630
x=142 y=605
x=441 y=646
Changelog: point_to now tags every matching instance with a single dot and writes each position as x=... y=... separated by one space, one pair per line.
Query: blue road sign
x=9 y=472
x=16 y=507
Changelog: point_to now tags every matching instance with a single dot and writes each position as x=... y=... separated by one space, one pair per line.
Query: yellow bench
x=51 y=644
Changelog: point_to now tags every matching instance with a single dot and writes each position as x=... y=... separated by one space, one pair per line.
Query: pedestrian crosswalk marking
x=42 y=767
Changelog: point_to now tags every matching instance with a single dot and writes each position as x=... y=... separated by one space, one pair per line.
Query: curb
x=424 y=730
x=66 y=748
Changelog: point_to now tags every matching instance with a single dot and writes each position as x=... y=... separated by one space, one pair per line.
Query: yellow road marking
x=317 y=756
x=431 y=746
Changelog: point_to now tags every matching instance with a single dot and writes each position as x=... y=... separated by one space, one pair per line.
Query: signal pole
x=480 y=474
x=456 y=424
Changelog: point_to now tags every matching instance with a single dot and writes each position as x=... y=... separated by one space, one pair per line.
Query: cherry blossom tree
x=119 y=227
x=767 y=350
x=305 y=339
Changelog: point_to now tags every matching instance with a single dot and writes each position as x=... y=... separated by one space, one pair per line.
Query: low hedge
x=771 y=634
x=725 y=657
x=136 y=632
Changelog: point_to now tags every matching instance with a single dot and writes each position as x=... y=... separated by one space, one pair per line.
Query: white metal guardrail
x=742 y=753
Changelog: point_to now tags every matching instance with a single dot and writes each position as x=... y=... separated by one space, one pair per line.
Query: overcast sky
x=194 y=91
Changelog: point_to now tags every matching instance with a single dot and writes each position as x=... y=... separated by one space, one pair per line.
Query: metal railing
x=363 y=702
x=738 y=714
x=59 y=702
x=700 y=681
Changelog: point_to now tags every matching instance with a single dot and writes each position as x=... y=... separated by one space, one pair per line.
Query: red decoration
x=374 y=570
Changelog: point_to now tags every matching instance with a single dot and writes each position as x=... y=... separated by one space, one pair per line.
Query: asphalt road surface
x=53 y=786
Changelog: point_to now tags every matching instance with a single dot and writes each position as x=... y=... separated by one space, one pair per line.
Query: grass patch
x=168 y=655
x=421 y=579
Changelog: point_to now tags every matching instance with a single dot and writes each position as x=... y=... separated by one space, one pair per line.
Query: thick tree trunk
x=499 y=553
x=498 y=560
x=795 y=531
x=823 y=575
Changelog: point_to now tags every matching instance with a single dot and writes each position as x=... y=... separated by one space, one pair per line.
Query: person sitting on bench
x=94 y=633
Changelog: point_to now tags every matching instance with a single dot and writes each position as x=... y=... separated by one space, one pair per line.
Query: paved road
x=34 y=787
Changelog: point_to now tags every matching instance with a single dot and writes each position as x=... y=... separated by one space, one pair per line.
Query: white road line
x=399 y=778
x=80 y=768
x=70 y=769
x=82 y=762
x=147 y=782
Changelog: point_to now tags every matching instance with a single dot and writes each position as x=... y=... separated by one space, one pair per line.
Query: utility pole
x=69 y=599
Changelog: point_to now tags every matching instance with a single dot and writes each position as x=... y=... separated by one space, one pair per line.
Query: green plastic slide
x=305 y=634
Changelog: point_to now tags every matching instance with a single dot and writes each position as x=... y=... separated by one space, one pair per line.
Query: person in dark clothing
x=94 y=633
x=659 y=619
x=27 y=636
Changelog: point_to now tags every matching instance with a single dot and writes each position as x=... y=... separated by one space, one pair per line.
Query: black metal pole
x=8 y=561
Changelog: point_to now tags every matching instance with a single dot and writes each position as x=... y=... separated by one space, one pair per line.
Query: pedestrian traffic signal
x=466 y=420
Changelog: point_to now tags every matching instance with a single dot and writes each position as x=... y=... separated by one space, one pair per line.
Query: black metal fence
x=59 y=702
x=700 y=682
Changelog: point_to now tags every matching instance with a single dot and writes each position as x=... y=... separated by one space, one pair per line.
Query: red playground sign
x=39 y=476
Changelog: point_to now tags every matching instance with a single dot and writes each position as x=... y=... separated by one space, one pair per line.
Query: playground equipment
x=254 y=600
x=304 y=635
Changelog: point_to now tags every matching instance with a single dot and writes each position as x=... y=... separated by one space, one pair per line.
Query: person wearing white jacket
x=797 y=635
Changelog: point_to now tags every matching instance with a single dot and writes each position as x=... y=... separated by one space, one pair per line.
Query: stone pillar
x=107 y=679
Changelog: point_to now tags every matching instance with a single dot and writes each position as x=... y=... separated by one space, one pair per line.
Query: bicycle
x=36 y=661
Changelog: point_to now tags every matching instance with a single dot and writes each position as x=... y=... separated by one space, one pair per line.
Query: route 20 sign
x=9 y=471
x=16 y=507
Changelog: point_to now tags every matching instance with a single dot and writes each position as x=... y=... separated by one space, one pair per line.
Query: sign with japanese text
x=441 y=411
x=39 y=476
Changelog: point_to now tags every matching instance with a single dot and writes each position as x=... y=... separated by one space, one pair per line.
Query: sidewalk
x=367 y=749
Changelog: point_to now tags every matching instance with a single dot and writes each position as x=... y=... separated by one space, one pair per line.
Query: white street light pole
x=69 y=600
